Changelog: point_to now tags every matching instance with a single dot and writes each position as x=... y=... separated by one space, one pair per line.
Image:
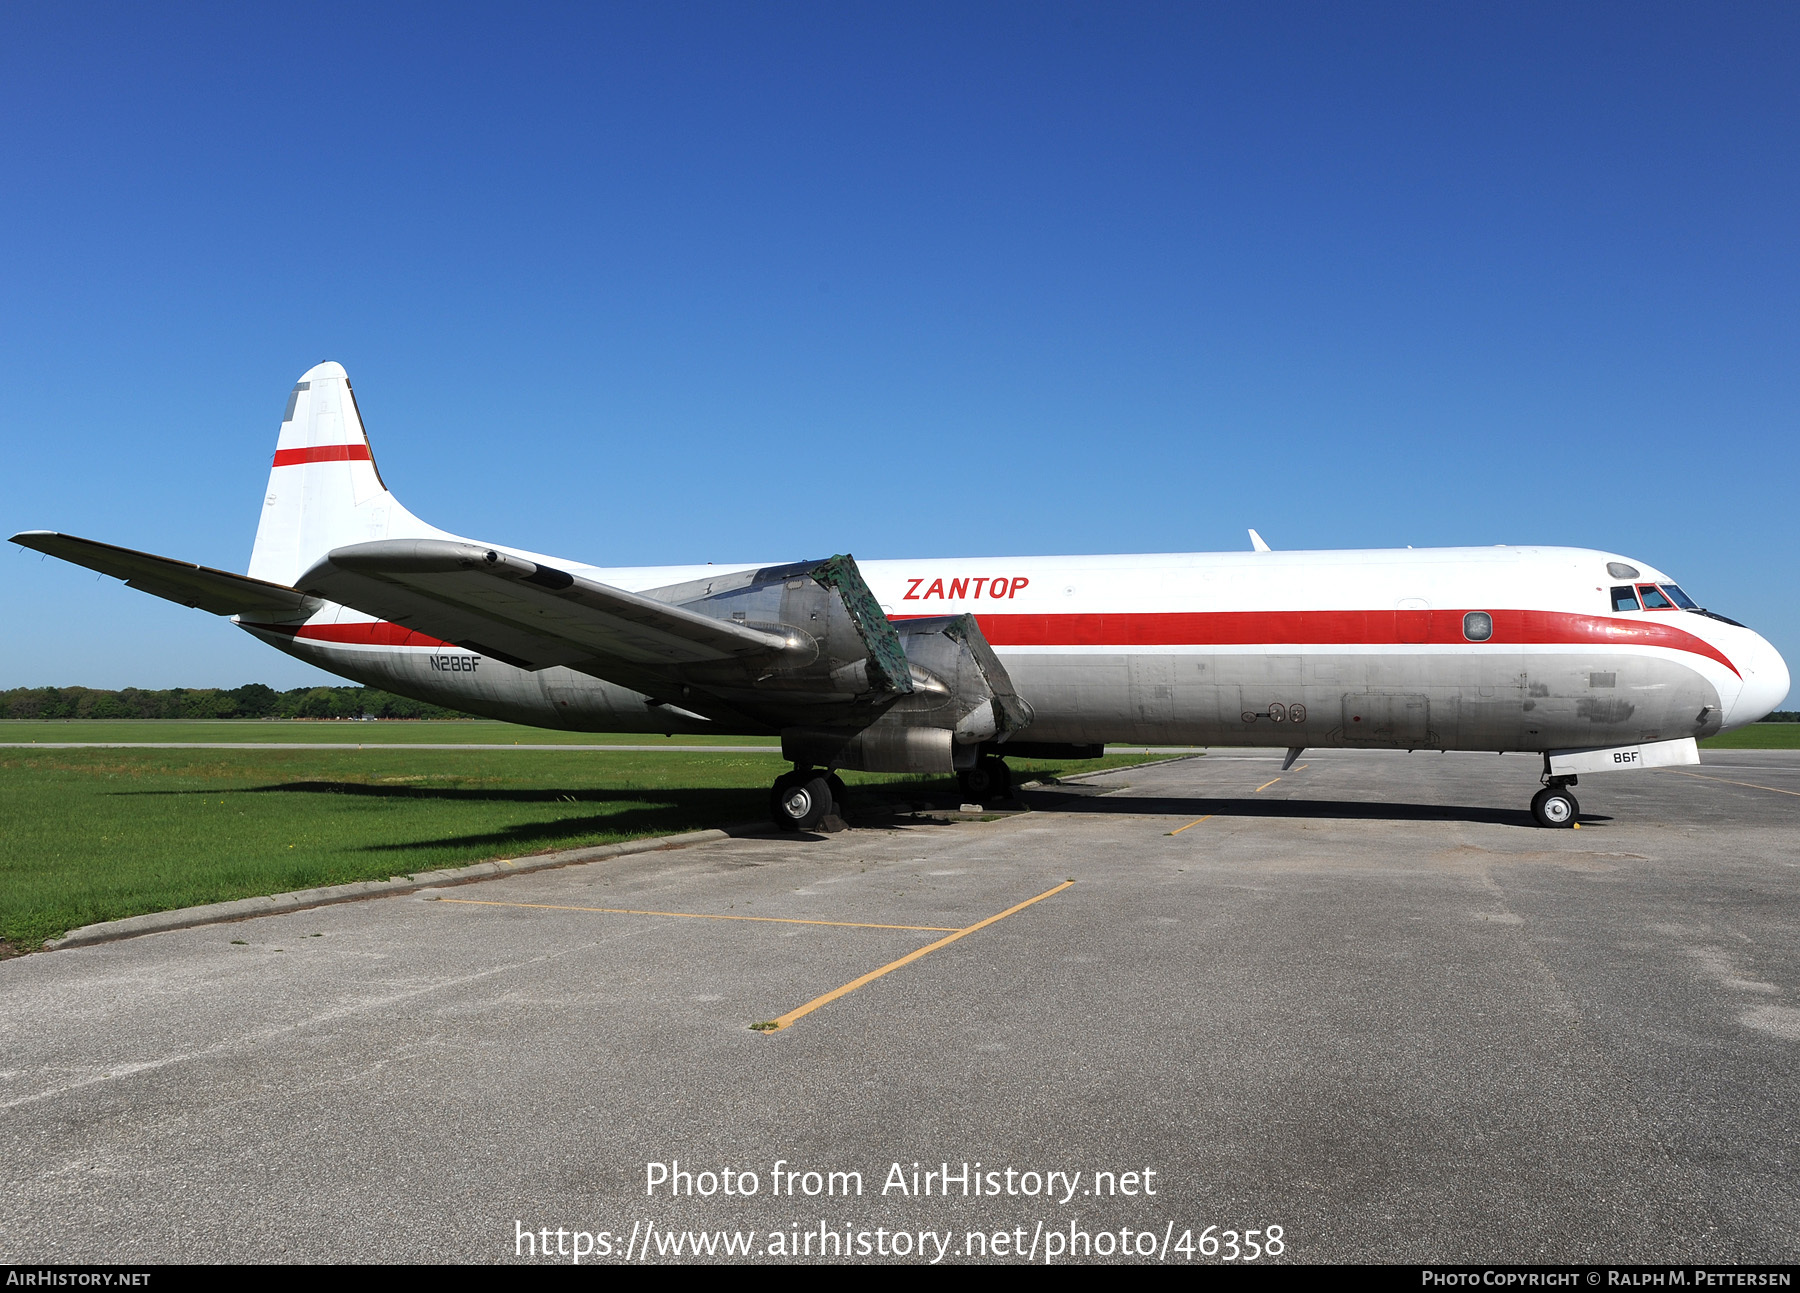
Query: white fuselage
x=1365 y=648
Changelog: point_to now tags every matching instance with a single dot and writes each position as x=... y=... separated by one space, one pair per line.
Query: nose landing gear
x=1554 y=805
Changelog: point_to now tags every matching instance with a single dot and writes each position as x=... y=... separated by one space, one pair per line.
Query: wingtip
x=1257 y=544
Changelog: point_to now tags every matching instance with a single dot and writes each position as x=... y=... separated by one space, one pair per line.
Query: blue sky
x=664 y=283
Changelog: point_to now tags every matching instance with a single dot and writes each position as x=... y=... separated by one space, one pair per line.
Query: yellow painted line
x=1265 y=785
x=784 y=1021
x=702 y=915
x=1725 y=781
x=1179 y=829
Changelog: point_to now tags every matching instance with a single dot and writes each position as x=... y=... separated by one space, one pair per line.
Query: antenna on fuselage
x=1257 y=544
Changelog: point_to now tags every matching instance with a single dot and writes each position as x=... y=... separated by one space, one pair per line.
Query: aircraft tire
x=800 y=800
x=1555 y=808
x=989 y=779
x=839 y=794
x=1001 y=776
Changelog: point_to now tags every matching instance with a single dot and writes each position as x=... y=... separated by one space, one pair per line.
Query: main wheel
x=800 y=800
x=990 y=779
x=1555 y=807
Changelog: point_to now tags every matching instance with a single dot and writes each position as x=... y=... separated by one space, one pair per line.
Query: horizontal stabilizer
x=520 y=611
x=218 y=591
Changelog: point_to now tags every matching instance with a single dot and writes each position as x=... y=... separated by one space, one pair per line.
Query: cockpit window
x=1624 y=599
x=1654 y=599
x=1680 y=598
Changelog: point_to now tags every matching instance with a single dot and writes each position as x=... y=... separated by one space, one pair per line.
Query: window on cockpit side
x=1624 y=599
x=1680 y=598
x=1654 y=599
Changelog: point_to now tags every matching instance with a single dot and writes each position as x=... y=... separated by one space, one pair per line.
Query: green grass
x=473 y=731
x=1758 y=736
x=95 y=835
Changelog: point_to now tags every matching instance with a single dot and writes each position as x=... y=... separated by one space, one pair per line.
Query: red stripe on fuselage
x=323 y=453
x=1274 y=629
x=1333 y=628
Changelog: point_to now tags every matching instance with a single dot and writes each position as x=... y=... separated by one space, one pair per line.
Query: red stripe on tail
x=323 y=453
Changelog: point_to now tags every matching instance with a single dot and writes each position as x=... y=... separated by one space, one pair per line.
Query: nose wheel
x=1555 y=806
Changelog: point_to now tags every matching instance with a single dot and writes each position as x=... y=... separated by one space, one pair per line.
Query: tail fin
x=324 y=491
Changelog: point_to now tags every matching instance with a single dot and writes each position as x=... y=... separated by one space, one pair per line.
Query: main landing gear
x=1554 y=806
x=809 y=799
x=804 y=798
x=989 y=780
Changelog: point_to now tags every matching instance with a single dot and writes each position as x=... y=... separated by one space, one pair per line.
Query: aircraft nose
x=1766 y=682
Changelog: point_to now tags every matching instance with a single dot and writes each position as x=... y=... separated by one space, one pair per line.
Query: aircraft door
x=1152 y=683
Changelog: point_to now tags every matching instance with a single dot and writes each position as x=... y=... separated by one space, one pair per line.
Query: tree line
x=253 y=700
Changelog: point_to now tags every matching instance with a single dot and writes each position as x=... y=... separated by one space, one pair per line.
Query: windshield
x=1680 y=598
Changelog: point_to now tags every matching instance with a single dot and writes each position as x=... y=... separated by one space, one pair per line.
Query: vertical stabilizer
x=324 y=491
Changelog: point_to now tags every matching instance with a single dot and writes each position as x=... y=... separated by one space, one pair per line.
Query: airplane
x=1598 y=661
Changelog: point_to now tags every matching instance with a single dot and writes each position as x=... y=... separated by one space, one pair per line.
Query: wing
x=218 y=591
x=526 y=614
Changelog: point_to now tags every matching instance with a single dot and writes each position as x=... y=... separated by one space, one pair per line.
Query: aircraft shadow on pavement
x=1290 y=809
x=645 y=811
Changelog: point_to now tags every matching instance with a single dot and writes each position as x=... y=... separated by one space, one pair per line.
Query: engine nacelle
x=961 y=698
x=881 y=747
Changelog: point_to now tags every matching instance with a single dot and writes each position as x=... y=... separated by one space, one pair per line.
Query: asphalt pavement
x=1366 y=1001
